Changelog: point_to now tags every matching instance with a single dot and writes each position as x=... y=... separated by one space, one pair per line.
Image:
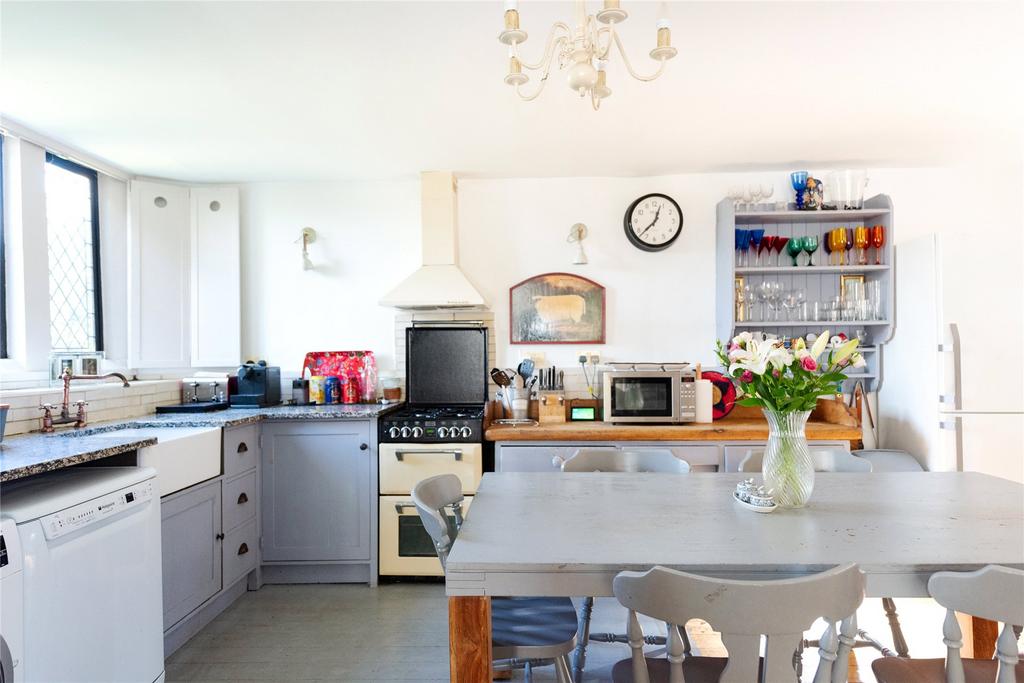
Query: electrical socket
x=595 y=358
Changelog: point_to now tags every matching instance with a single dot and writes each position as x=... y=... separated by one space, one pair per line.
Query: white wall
x=659 y=305
x=368 y=239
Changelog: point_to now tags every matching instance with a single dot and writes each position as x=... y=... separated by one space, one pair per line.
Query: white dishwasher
x=91 y=581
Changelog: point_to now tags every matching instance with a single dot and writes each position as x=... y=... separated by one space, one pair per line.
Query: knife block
x=551 y=408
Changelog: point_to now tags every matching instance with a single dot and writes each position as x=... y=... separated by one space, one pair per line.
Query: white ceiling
x=239 y=91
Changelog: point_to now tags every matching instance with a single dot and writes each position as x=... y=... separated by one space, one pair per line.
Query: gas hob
x=433 y=424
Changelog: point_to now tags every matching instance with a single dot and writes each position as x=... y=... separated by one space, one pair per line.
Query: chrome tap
x=79 y=418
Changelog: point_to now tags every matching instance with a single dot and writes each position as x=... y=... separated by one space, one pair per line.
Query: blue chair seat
x=532 y=622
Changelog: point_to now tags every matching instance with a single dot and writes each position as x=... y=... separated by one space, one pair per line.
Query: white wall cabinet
x=215 y=283
x=184 y=276
x=158 y=270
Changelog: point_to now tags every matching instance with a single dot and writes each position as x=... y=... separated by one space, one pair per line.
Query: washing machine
x=90 y=575
x=11 y=625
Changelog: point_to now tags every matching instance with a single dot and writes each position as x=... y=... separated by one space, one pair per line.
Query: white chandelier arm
x=535 y=95
x=610 y=32
x=629 y=67
x=552 y=40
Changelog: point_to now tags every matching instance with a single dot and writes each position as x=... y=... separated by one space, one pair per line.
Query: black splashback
x=446 y=365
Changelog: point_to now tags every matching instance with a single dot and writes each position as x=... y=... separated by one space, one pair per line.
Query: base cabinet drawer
x=240 y=554
x=240 y=500
x=241 y=449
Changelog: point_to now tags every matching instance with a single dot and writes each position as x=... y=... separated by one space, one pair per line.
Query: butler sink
x=182 y=456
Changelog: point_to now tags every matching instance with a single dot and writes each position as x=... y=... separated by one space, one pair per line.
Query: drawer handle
x=243 y=549
x=402 y=507
x=454 y=452
x=219 y=537
x=242 y=448
x=242 y=498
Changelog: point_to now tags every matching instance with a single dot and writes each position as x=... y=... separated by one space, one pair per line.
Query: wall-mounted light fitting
x=578 y=233
x=307 y=238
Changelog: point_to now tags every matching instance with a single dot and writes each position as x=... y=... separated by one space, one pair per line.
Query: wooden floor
x=396 y=632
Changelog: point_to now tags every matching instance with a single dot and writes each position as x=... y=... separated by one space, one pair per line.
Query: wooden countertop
x=732 y=428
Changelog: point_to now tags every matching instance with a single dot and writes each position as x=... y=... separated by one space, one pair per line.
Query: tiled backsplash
x=107 y=401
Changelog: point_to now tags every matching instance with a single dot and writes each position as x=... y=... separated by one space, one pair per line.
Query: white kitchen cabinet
x=158 y=269
x=215 y=282
x=548 y=456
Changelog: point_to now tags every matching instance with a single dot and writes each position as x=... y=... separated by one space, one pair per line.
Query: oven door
x=402 y=466
x=641 y=396
x=406 y=548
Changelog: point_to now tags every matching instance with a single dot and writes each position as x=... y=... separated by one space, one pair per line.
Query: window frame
x=93 y=178
x=3 y=261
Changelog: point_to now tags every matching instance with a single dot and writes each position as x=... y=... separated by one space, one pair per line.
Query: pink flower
x=776 y=374
x=747 y=377
x=810 y=365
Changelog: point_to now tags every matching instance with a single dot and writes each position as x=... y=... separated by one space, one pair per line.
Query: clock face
x=653 y=222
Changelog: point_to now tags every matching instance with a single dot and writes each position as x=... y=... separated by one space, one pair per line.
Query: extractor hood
x=438 y=283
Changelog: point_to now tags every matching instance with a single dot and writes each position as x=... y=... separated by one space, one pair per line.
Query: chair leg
x=582 y=639
x=528 y=672
x=898 y=641
x=798 y=660
x=563 y=672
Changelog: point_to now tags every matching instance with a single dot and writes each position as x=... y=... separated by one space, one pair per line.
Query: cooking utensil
x=525 y=370
x=561 y=380
x=499 y=377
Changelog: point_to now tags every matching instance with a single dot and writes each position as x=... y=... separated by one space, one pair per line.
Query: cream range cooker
x=440 y=431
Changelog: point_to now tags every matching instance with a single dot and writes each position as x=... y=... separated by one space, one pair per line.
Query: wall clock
x=653 y=222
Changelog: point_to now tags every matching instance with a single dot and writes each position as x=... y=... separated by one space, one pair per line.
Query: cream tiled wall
x=106 y=401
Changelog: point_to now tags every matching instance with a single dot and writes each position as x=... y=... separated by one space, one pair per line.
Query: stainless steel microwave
x=656 y=396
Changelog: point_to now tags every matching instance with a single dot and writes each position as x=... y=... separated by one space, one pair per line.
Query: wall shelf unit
x=818 y=282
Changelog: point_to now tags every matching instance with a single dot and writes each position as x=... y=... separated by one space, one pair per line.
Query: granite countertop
x=27 y=454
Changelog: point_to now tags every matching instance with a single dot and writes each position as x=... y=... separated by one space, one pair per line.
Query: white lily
x=755 y=359
x=819 y=345
x=858 y=360
x=845 y=351
x=779 y=357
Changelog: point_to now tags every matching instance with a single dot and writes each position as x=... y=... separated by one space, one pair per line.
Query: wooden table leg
x=984 y=636
x=469 y=639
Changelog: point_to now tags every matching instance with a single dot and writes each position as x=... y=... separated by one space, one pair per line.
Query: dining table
x=569 y=534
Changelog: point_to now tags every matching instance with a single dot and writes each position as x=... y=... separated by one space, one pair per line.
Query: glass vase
x=787 y=466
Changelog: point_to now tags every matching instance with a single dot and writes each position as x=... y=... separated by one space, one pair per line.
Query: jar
x=391 y=387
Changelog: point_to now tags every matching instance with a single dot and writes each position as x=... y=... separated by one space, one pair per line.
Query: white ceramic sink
x=182 y=456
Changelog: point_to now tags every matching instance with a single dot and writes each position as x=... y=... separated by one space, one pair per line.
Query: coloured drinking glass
x=878 y=241
x=795 y=247
x=810 y=246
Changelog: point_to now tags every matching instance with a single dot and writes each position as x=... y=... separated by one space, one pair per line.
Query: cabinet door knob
x=243 y=549
x=242 y=498
x=219 y=537
x=363 y=446
x=242 y=448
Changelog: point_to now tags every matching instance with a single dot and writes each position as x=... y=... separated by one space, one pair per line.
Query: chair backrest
x=433 y=496
x=615 y=460
x=742 y=611
x=994 y=593
x=825 y=460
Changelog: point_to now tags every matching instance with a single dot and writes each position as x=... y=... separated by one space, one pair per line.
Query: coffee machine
x=259 y=385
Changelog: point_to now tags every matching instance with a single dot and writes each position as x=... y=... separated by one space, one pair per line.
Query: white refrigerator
x=953 y=394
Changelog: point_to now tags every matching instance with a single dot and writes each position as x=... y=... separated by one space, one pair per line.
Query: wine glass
x=767 y=190
x=794 y=247
x=736 y=195
x=799 y=181
x=763 y=292
x=861 y=238
x=756 y=235
x=810 y=244
x=838 y=237
x=767 y=244
x=826 y=244
x=878 y=241
x=849 y=244
x=780 y=244
x=755 y=196
x=775 y=293
x=742 y=244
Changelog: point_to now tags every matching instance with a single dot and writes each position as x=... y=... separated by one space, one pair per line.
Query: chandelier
x=582 y=51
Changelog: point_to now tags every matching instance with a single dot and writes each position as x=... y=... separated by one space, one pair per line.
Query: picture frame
x=741 y=308
x=557 y=308
x=844 y=283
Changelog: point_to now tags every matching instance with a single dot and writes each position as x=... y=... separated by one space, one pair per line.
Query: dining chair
x=743 y=612
x=525 y=632
x=825 y=460
x=994 y=593
x=625 y=460
x=660 y=460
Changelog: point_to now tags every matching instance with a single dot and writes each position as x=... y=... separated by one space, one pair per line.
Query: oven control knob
x=442 y=432
x=466 y=432
x=417 y=432
x=394 y=432
x=406 y=432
